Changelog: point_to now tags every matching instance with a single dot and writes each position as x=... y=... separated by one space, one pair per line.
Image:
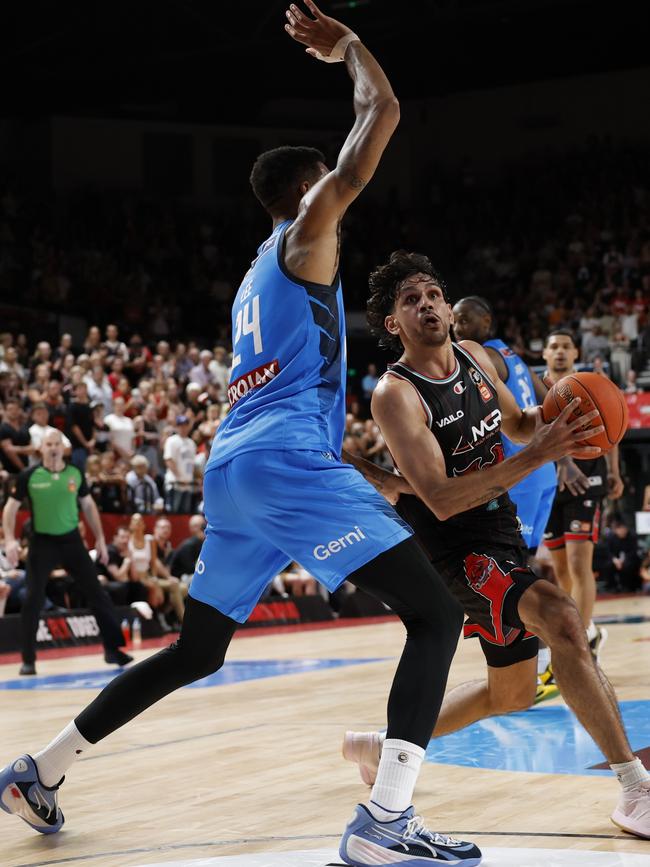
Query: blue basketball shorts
x=534 y=504
x=265 y=509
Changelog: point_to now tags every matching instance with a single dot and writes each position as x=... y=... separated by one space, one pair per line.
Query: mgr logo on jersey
x=488 y=427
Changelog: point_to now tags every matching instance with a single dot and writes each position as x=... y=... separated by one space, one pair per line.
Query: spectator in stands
x=15 y=441
x=173 y=592
x=63 y=349
x=101 y=431
x=37 y=430
x=297 y=581
x=184 y=557
x=147 y=439
x=55 y=404
x=620 y=357
x=42 y=355
x=162 y=535
x=183 y=363
x=114 y=498
x=37 y=388
x=99 y=387
x=631 y=386
x=93 y=340
x=594 y=344
x=139 y=359
x=12 y=583
x=220 y=369
x=114 y=347
x=79 y=426
x=369 y=383
x=93 y=476
x=202 y=373
x=143 y=493
x=144 y=566
x=122 y=430
x=10 y=363
x=179 y=455
x=623 y=571
x=116 y=576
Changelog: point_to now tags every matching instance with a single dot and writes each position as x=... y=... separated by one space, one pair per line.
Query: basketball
x=597 y=392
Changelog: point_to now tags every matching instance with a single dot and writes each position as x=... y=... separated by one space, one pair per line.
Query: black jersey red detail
x=463 y=414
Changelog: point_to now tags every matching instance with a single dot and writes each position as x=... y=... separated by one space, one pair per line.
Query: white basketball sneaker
x=632 y=812
x=364 y=748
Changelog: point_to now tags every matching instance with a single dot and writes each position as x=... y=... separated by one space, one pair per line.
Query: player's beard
x=438 y=337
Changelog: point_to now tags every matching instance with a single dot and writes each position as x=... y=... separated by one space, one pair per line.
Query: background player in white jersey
x=276 y=490
x=440 y=408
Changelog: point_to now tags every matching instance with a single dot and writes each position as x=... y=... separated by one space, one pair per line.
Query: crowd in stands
x=556 y=240
x=142 y=568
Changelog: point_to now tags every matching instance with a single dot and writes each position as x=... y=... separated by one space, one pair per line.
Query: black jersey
x=464 y=416
x=595 y=469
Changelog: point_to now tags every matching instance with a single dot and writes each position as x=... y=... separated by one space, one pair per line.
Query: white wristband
x=338 y=52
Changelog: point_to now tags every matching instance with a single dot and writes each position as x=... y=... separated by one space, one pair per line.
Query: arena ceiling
x=196 y=59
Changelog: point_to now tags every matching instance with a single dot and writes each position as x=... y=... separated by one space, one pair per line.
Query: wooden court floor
x=256 y=766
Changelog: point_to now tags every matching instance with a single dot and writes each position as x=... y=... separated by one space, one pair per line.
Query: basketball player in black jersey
x=573 y=524
x=440 y=409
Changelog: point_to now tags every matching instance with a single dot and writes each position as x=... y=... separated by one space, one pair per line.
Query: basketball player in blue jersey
x=441 y=409
x=534 y=495
x=276 y=490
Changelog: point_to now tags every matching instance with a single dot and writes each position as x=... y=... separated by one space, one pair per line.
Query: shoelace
x=415 y=827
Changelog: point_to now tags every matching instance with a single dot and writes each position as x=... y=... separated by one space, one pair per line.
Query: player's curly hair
x=384 y=284
x=276 y=173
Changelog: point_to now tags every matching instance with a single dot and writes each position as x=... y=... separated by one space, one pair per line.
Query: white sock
x=398 y=771
x=592 y=632
x=543 y=659
x=56 y=758
x=630 y=774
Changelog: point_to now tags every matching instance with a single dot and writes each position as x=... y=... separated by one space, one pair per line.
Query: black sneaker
x=117 y=657
x=27 y=668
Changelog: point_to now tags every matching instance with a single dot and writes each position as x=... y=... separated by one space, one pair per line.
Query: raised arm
x=376 y=117
x=397 y=410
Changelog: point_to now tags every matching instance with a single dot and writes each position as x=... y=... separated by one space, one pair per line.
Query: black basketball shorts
x=489 y=584
x=574 y=519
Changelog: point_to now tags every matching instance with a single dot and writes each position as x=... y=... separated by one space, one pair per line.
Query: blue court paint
x=546 y=740
x=236 y=671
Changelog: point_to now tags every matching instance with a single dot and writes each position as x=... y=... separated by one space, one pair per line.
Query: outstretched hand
x=320 y=33
x=565 y=436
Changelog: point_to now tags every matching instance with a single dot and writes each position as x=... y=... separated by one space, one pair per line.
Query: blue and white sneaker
x=404 y=842
x=22 y=793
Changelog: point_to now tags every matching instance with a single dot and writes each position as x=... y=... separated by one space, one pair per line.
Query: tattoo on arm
x=491 y=494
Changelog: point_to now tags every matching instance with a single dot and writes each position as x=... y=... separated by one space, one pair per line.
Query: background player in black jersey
x=574 y=521
x=440 y=409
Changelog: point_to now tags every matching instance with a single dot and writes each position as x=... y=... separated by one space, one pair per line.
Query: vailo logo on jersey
x=324 y=552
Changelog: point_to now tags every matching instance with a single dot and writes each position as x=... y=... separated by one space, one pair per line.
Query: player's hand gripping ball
x=596 y=392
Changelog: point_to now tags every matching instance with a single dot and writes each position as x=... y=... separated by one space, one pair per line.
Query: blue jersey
x=287 y=383
x=520 y=383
